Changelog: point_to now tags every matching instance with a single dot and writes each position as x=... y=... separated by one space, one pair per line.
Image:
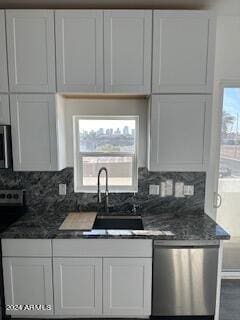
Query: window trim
x=78 y=168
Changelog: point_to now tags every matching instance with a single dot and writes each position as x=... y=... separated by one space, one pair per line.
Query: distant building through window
x=110 y=142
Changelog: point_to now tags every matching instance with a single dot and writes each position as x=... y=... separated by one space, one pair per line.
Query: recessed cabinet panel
x=28 y=281
x=127 y=50
x=178 y=132
x=33 y=120
x=183 y=52
x=3 y=55
x=127 y=286
x=31 y=52
x=78 y=286
x=4 y=109
x=79 y=48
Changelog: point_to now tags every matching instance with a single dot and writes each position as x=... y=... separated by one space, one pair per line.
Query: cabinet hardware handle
x=218 y=200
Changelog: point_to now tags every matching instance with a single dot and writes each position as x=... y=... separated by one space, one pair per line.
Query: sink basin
x=118 y=222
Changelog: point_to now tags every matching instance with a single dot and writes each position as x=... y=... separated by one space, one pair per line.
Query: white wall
x=227 y=70
x=107 y=106
x=227 y=64
x=225 y=7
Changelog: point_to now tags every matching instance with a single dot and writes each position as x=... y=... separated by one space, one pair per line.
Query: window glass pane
x=111 y=135
x=230 y=135
x=229 y=178
x=119 y=170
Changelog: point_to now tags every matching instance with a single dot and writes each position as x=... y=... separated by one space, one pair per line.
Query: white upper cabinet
x=3 y=55
x=183 y=52
x=79 y=50
x=31 y=52
x=34 y=132
x=179 y=132
x=4 y=109
x=127 y=50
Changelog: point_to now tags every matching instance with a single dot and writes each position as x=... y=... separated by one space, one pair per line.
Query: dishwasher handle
x=187 y=244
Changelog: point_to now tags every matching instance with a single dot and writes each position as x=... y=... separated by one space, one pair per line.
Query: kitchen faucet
x=106 y=188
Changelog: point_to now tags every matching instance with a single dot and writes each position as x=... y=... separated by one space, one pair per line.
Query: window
x=105 y=141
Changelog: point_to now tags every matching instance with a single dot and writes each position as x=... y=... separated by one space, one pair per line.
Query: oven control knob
x=9 y=196
x=2 y=196
x=15 y=196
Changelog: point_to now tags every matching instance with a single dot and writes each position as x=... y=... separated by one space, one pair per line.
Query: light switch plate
x=169 y=188
x=163 y=189
x=179 y=190
x=189 y=190
x=154 y=189
x=62 y=189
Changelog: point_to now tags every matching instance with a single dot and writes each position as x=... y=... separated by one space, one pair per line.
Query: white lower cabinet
x=28 y=281
x=77 y=286
x=94 y=278
x=127 y=286
x=121 y=285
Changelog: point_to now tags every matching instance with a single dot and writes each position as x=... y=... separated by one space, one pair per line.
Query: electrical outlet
x=62 y=189
x=179 y=190
x=189 y=190
x=163 y=189
x=169 y=187
x=154 y=189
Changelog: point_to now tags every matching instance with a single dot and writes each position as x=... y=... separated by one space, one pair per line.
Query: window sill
x=89 y=190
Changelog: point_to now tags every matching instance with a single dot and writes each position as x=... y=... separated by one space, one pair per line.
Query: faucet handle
x=134 y=208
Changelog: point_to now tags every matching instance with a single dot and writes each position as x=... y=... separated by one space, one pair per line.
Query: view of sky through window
x=103 y=135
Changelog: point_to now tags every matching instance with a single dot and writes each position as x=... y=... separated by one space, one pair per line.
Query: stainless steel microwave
x=5 y=147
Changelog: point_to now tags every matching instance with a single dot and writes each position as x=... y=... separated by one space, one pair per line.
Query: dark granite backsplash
x=42 y=192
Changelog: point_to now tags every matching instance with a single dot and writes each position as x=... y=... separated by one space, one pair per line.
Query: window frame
x=78 y=164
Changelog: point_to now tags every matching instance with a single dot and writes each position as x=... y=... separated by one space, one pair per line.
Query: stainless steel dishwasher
x=184 y=278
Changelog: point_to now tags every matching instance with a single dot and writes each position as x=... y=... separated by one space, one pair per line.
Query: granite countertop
x=162 y=226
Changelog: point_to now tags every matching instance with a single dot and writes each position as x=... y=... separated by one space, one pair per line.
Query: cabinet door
x=79 y=48
x=28 y=281
x=77 y=286
x=33 y=121
x=183 y=52
x=179 y=132
x=31 y=54
x=127 y=50
x=3 y=55
x=4 y=109
x=127 y=286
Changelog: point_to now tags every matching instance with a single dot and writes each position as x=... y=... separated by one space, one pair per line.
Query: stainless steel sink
x=118 y=222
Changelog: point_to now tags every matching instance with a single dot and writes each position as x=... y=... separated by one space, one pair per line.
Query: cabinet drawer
x=26 y=248
x=102 y=248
